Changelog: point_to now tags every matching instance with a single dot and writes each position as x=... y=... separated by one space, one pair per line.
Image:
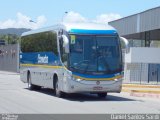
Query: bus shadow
x=93 y=97
x=84 y=97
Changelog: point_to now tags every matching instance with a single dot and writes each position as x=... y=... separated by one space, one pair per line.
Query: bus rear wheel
x=30 y=85
x=102 y=95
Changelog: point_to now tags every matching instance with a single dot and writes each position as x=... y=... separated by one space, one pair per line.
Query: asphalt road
x=17 y=99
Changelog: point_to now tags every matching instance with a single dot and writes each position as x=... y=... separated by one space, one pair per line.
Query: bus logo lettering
x=42 y=59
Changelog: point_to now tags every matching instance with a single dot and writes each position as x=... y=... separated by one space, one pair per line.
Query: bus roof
x=70 y=27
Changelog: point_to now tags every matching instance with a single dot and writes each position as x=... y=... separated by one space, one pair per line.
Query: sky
x=35 y=14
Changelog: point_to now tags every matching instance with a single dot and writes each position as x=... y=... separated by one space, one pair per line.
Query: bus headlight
x=76 y=79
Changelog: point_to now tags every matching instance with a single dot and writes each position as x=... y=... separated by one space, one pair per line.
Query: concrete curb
x=143 y=93
x=140 y=86
x=148 y=95
x=8 y=73
x=125 y=90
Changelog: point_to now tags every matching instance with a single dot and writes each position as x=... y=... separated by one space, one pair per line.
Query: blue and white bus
x=72 y=58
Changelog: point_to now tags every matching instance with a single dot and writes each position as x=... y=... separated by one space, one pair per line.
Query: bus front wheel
x=58 y=93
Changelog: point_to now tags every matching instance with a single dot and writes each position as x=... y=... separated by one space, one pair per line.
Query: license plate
x=97 y=88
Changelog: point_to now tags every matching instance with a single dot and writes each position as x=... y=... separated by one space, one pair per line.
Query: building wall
x=142 y=65
x=9 y=58
x=143 y=55
x=150 y=20
x=138 y=23
x=125 y=26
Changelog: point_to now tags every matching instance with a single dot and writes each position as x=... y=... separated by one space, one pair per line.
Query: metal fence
x=9 y=58
x=142 y=73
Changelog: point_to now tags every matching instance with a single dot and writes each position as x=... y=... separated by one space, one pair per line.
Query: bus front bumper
x=94 y=86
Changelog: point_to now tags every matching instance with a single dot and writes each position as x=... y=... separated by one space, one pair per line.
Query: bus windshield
x=95 y=54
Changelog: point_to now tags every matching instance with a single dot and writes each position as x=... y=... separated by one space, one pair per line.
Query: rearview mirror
x=125 y=41
x=65 y=43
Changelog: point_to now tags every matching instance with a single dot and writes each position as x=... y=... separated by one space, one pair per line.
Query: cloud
x=23 y=21
x=103 y=18
x=74 y=17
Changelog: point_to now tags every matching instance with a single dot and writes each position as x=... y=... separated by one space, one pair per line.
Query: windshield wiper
x=79 y=65
x=73 y=68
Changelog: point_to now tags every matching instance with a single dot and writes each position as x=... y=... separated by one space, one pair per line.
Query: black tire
x=30 y=85
x=36 y=87
x=57 y=92
x=102 y=95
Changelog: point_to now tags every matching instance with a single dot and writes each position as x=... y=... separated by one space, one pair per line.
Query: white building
x=142 y=62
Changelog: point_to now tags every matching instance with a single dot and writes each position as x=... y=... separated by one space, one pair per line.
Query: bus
x=72 y=58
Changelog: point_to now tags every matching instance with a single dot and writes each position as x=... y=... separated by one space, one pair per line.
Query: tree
x=10 y=38
x=40 y=42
